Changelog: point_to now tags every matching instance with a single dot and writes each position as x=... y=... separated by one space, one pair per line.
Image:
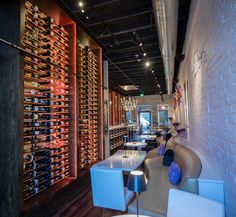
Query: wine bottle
x=31 y=132
x=31 y=124
x=31 y=192
x=45 y=138
x=47 y=124
x=31 y=165
x=31 y=183
x=48 y=19
x=44 y=161
x=30 y=174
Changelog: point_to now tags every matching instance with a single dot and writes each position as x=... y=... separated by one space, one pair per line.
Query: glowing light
x=140 y=44
x=82 y=10
x=147 y=64
x=144 y=54
x=81 y=4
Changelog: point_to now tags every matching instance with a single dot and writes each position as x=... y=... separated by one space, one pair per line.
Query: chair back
x=108 y=188
x=184 y=204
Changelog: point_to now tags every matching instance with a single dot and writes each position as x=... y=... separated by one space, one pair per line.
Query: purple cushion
x=174 y=173
x=161 y=150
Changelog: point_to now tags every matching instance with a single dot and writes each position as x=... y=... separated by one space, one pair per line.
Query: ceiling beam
x=141 y=39
x=127 y=31
x=118 y=18
x=134 y=47
x=150 y=55
x=105 y=3
x=139 y=70
x=135 y=60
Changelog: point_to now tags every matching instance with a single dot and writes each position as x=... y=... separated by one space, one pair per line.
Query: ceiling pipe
x=166 y=19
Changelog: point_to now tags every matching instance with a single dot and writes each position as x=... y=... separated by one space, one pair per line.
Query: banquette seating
x=153 y=202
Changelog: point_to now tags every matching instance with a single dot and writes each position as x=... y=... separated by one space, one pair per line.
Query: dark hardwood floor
x=82 y=206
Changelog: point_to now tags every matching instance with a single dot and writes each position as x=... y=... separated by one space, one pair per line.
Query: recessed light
x=144 y=54
x=140 y=44
x=81 y=4
x=152 y=71
x=147 y=64
x=82 y=11
x=87 y=17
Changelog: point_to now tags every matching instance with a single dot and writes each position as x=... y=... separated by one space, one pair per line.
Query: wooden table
x=118 y=161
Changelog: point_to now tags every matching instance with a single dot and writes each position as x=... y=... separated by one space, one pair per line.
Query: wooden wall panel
x=11 y=110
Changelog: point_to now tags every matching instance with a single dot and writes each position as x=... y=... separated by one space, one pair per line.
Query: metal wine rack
x=46 y=102
x=88 y=107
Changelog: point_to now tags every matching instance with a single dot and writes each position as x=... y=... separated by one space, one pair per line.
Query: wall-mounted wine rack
x=88 y=107
x=116 y=135
x=47 y=112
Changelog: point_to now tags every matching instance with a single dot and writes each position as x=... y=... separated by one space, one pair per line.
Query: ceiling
x=121 y=27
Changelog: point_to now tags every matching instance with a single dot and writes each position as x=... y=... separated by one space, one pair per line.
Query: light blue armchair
x=108 y=189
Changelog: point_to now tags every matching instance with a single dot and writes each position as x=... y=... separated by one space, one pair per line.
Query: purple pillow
x=161 y=150
x=174 y=173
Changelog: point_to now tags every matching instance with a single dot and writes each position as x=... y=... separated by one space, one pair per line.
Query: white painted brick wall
x=210 y=68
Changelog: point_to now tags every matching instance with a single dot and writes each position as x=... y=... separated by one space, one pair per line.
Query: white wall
x=155 y=100
x=210 y=68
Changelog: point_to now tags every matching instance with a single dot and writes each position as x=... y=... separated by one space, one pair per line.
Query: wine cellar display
x=51 y=70
x=116 y=136
x=46 y=102
x=88 y=107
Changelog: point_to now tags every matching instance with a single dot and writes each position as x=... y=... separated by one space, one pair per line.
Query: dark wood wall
x=11 y=110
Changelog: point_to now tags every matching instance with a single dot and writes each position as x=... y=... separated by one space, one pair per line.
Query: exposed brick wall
x=210 y=68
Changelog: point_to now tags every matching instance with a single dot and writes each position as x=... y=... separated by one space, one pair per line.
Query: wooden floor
x=82 y=206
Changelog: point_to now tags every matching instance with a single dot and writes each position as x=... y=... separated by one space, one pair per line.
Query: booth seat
x=153 y=202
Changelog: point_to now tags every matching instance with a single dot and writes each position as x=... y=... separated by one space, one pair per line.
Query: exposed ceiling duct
x=166 y=18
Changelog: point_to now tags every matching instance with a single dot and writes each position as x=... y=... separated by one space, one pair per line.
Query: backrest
x=171 y=145
x=184 y=204
x=188 y=161
x=108 y=188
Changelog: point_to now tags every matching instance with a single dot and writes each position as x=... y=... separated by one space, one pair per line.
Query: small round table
x=136 y=145
x=148 y=137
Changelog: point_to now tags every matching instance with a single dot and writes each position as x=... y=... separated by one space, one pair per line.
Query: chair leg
x=103 y=212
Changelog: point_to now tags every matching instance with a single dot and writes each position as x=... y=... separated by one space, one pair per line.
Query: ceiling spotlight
x=144 y=54
x=81 y=4
x=147 y=64
x=140 y=44
x=152 y=71
x=87 y=17
x=158 y=85
x=82 y=11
